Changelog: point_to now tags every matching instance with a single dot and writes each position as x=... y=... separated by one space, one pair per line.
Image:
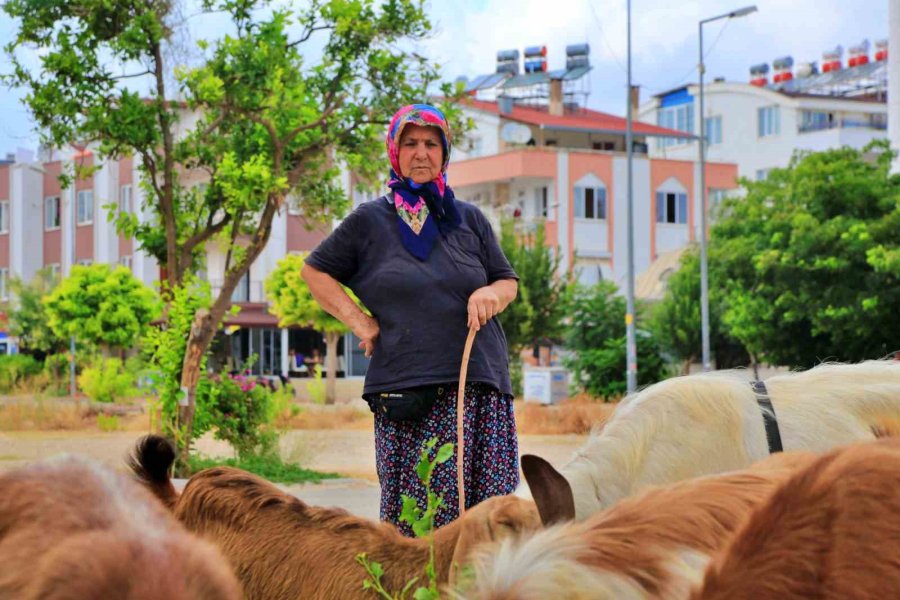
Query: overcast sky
x=664 y=41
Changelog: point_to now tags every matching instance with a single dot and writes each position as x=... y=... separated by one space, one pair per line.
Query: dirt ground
x=347 y=452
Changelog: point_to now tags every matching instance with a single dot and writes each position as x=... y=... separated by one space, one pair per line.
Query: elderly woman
x=428 y=267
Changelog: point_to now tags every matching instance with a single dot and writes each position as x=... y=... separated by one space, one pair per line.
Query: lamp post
x=630 y=339
x=704 y=267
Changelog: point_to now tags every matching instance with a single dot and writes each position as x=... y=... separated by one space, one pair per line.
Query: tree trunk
x=331 y=343
x=755 y=365
x=206 y=323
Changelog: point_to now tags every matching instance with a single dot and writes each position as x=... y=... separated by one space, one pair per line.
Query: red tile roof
x=584 y=119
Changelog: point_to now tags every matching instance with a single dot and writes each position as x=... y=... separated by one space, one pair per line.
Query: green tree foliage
x=538 y=314
x=596 y=335
x=294 y=305
x=540 y=310
x=810 y=259
x=28 y=318
x=105 y=307
x=266 y=121
x=675 y=320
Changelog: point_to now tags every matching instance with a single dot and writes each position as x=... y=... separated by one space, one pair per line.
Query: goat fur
x=72 y=529
x=283 y=549
x=832 y=531
x=652 y=545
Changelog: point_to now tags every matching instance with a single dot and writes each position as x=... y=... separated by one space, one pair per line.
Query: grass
x=58 y=414
x=577 y=415
x=272 y=468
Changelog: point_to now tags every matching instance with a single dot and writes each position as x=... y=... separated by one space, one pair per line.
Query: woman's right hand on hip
x=368 y=334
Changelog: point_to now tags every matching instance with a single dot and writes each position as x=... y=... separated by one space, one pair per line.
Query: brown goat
x=71 y=529
x=283 y=549
x=641 y=547
x=832 y=531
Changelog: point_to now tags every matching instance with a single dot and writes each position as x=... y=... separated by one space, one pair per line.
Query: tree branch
x=306 y=34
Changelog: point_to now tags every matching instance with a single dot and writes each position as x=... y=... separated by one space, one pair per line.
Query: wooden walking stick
x=460 y=409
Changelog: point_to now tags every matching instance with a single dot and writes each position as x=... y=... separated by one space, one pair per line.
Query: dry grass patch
x=314 y=416
x=578 y=414
x=54 y=414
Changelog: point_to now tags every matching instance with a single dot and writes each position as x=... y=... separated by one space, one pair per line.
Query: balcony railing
x=843 y=124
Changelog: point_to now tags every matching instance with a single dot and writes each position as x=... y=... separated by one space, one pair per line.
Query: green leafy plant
x=316 y=387
x=108 y=423
x=596 y=335
x=243 y=412
x=105 y=307
x=270 y=467
x=15 y=369
x=422 y=523
x=107 y=381
x=28 y=319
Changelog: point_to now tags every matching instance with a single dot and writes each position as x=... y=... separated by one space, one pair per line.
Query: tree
x=596 y=336
x=293 y=304
x=265 y=121
x=540 y=310
x=104 y=307
x=28 y=318
x=810 y=259
x=675 y=320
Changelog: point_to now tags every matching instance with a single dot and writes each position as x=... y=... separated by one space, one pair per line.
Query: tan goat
x=71 y=529
x=645 y=546
x=283 y=549
x=831 y=532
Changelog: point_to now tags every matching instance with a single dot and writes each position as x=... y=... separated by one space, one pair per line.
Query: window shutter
x=579 y=202
x=660 y=207
x=601 y=203
x=681 y=217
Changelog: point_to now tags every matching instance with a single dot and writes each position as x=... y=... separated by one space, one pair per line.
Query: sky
x=468 y=34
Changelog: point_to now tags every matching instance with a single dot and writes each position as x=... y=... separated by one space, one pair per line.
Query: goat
x=71 y=529
x=651 y=545
x=831 y=531
x=281 y=548
x=711 y=423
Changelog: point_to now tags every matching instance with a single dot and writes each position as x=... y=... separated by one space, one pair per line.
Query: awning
x=252 y=314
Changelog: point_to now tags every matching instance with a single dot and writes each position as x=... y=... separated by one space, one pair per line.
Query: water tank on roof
x=881 y=50
x=535 y=51
x=577 y=55
x=508 y=61
x=578 y=50
x=807 y=69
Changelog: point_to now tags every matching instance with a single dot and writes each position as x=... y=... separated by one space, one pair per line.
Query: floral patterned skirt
x=491 y=460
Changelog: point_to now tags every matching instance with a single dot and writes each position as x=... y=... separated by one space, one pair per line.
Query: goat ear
x=550 y=490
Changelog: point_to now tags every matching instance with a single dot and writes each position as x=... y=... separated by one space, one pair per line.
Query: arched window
x=671 y=202
x=590 y=198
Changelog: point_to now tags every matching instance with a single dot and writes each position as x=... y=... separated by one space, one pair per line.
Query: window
x=768 y=121
x=540 y=201
x=713 y=127
x=476 y=146
x=125 y=203
x=84 y=262
x=4 y=284
x=4 y=216
x=762 y=174
x=54 y=271
x=84 y=203
x=671 y=207
x=590 y=203
x=125 y=261
x=677 y=117
x=51 y=213
x=604 y=146
x=241 y=292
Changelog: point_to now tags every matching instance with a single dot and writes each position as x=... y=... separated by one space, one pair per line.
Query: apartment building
x=759 y=124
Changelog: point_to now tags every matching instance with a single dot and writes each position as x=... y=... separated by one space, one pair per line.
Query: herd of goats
x=698 y=487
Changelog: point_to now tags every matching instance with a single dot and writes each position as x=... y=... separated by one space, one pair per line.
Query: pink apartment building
x=572 y=175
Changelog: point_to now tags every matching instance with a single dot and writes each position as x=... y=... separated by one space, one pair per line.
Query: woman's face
x=421 y=153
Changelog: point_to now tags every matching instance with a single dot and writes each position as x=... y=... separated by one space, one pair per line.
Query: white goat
x=711 y=423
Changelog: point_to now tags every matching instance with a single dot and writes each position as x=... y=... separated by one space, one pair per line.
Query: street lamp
x=704 y=267
x=630 y=338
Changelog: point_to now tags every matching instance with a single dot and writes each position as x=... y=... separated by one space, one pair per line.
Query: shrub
x=106 y=381
x=108 y=423
x=316 y=387
x=15 y=369
x=242 y=411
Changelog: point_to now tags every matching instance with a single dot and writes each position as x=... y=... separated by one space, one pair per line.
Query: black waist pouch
x=411 y=404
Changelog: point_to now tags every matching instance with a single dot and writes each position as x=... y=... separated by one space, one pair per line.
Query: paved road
x=350 y=453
